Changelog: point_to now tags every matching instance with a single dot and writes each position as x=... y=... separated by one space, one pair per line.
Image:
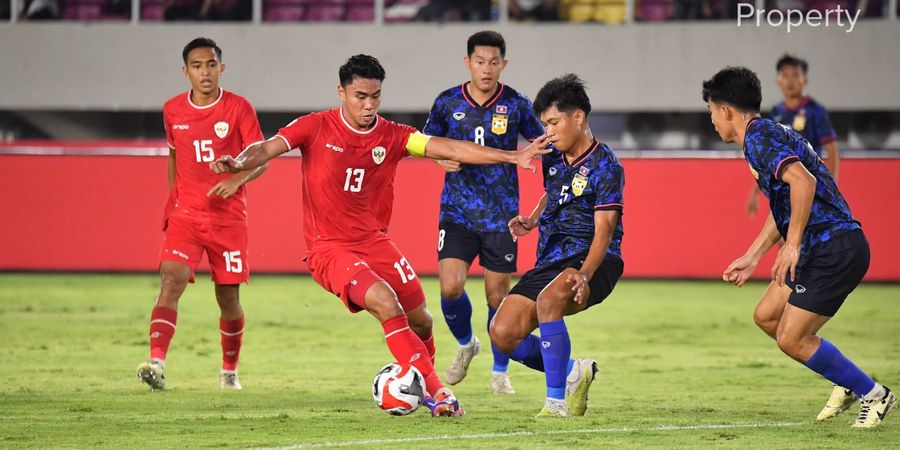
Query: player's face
x=362 y=98
x=203 y=69
x=563 y=128
x=792 y=81
x=485 y=65
x=719 y=115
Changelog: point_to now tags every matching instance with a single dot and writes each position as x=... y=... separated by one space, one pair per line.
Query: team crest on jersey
x=578 y=184
x=500 y=109
x=459 y=115
x=800 y=121
x=378 y=154
x=221 y=129
x=499 y=123
x=754 y=172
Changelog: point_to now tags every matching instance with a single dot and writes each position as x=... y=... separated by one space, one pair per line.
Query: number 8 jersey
x=199 y=135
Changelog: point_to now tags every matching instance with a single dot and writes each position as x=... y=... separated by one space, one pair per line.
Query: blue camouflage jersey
x=810 y=119
x=595 y=181
x=769 y=148
x=482 y=197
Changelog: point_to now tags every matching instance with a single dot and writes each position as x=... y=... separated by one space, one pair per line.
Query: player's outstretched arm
x=229 y=186
x=470 y=153
x=604 y=226
x=803 y=189
x=252 y=157
x=522 y=225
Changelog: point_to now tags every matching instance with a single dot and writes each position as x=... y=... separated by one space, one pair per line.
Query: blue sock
x=458 y=314
x=501 y=361
x=556 y=349
x=529 y=353
x=829 y=362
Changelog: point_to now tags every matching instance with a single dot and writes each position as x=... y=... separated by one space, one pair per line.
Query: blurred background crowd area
x=576 y=11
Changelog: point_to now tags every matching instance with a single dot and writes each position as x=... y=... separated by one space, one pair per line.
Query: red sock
x=232 y=337
x=409 y=349
x=162 y=328
x=429 y=345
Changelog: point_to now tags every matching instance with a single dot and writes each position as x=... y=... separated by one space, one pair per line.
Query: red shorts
x=225 y=247
x=334 y=267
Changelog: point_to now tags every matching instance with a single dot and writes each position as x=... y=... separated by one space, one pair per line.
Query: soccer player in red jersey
x=350 y=157
x=206 y=212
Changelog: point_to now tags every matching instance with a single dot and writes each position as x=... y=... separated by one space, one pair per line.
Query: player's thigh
x=515 y=318
x=389 y=263
x=771 y=305
x=452 y=273
x=181 y=244
x=227 y=253
x=496 y=286
x=334 y=268
x=498 y=252
x=601 y=285
x=457 y=242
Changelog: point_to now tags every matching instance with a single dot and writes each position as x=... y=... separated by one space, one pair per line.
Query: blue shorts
x=830 y=273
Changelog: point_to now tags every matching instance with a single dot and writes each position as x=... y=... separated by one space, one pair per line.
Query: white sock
x=470 y=344
x=876 y=393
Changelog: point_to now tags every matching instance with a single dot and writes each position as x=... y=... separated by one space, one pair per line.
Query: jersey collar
x=488 y=103
x=340 y=112
x=799 y=106
x=219 y=98
x=584 y=156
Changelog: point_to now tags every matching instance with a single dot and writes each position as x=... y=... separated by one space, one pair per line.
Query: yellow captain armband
x=416 y=144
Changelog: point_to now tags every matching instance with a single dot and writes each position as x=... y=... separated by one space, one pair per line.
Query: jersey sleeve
x=301 y=132
x=436 y=125
x=609 y=187
x=531 y=127
x=770 y=152
x=250 y=132
x=823 y=126
x=168 y=126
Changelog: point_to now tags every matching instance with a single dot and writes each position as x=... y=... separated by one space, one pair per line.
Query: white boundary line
x=532 y=433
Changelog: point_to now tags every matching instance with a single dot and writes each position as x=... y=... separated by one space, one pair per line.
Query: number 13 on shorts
x=405 y=270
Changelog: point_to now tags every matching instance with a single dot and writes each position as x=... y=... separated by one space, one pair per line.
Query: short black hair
x=735 y=86
x=486 y=39
x=363 y=66
x=791 y=61
x=566 y=92
x=200 y=42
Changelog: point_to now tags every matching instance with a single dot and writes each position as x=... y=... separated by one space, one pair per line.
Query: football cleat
x=840 y=400
x=460 y=364
x=444 y=404
x=228 y=379
x=500 y=383
x=873 y=412
x=553 y=408
x=153 y=373
x=578 y=383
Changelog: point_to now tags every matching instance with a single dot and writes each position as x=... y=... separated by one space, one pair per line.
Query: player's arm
x=470 y=153
x=833 y=162
x=171 y=168
x=741 y=269
x=254 y=156
x=229 y=186
x=803 y=189
x=522 y=225
x=753 y=200
x=604 y=226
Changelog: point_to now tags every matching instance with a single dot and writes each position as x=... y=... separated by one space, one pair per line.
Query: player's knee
x=495 y=298
x=765 y=323
x=173 y=279
x=503 y=335
x=452 y=289
x=383 y=303
x=551 y=304
x=788 y=344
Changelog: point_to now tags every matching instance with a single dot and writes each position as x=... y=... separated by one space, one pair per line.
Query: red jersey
x=199 y=135
x=348 y=175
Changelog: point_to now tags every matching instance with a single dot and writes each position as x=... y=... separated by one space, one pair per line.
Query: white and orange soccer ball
x=398 y=389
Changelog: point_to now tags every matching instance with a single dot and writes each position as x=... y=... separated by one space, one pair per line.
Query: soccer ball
x=398 y=389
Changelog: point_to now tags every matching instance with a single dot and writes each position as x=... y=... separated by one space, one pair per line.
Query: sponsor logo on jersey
x=335 y=148
x=578 y=184
x=179 y=126
x=499 y=123
x=459 y=115
x=552 y=171
x=378 y=154
x=500 y=109
x=221 y=129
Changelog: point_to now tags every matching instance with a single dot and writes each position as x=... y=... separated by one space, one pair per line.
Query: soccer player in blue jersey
x=478 y=200
x=579 y=258
x=805 y=115
x=825 y=253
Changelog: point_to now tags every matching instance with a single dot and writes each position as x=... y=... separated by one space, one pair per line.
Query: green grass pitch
x=682 y=365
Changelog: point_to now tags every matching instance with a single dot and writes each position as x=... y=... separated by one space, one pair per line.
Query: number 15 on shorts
x=233 y=262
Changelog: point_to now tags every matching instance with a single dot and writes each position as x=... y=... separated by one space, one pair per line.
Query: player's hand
x=740 y=270
x=787 y=259
x=580 y=286
x=536 y=148
x=449 y=165
x=227 y=187
x=520 y=226
x=226 y=164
